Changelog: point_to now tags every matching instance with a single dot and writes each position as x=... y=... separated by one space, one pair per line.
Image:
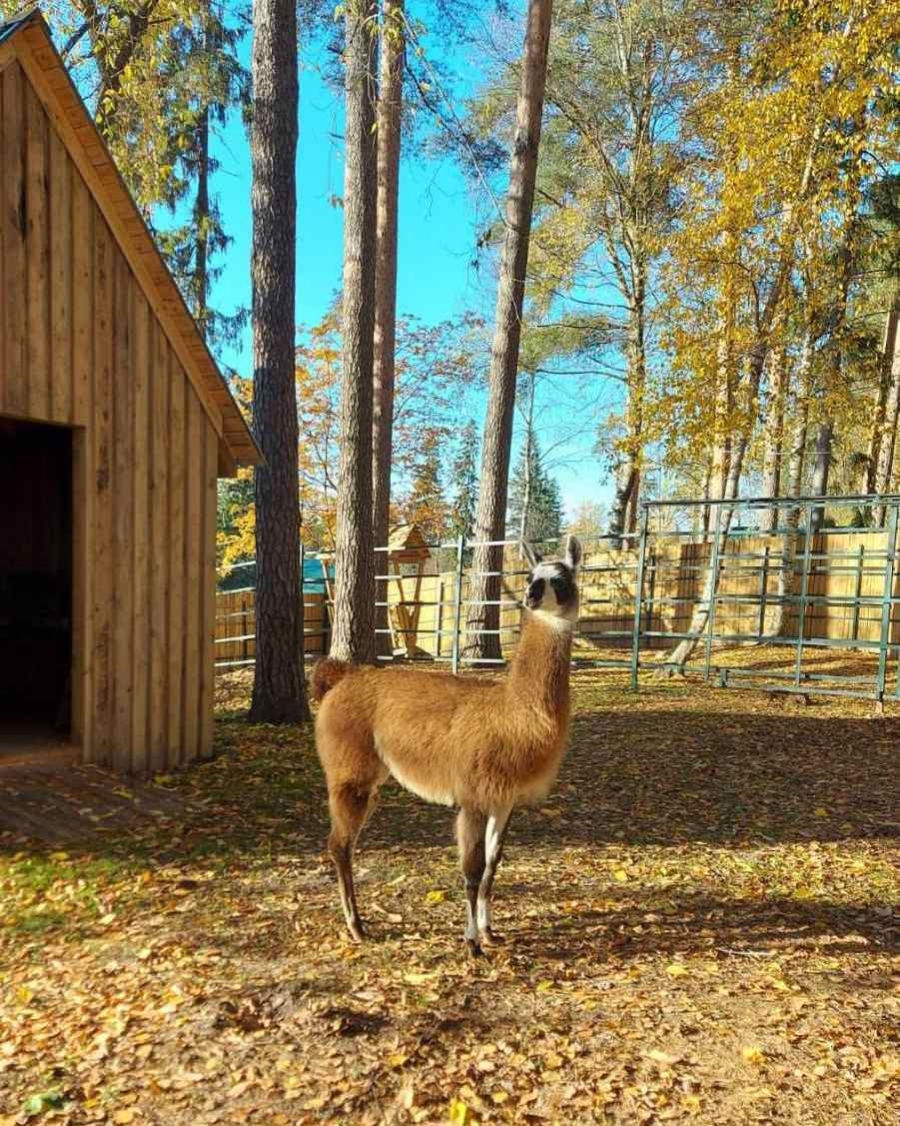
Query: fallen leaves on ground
x=701 y=925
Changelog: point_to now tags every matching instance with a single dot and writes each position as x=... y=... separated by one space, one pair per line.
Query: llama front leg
x=470 y=830
x=494 y=836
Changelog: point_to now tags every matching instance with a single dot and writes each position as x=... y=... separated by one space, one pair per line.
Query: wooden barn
x=115 y=424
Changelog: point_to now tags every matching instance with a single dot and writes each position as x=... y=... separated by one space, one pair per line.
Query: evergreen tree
x=535 y=506
x=464 y=472
x=427 y=505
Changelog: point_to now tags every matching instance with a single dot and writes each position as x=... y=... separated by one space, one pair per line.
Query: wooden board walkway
x=45 y=798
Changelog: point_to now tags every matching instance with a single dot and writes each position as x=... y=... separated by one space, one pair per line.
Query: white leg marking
x=493 y=841
x=471 y=926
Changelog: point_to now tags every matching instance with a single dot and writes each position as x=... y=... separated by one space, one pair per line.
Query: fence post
x=763 y=593
x=638 y=599
x=854 y=625
x=457 y=602
x=302 y=605
x=886 y=597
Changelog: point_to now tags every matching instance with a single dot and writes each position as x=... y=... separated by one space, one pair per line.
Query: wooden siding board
x=82 y=709
x=37 y=257
x=193 y=549
x=176 y=438
x=83 y=508
x=208 y=580
x=161 y=702
x=102 y=554
x=140 y=475
x=123 y=514
x=12 y=216
x=82 y=300
x=60 y=281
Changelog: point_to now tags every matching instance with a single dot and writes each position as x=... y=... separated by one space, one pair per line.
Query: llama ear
x=573 y=553
x=531 y=556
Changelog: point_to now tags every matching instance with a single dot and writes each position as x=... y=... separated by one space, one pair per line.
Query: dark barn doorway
x=35 y=585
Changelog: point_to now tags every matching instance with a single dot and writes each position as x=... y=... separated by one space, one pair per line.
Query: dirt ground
x=702 y=924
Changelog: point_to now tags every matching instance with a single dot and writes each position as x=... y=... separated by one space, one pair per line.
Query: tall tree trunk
x=700 y=617
x=799 y=429
x=626 y=481
x=278 y=689
x=484 y=587
x=792 y=488
x=773 y=436
x=389 y=114
x=824 y=436
x=704 y=512
x=891 y=368
x=623 y=515
x=353 y=633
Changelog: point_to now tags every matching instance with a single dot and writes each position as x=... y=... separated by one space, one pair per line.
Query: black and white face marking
x=551 y=591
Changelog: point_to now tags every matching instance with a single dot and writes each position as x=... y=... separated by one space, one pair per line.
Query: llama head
x=551 y=591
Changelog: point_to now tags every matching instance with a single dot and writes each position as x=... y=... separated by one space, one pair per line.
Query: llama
x=485 y=746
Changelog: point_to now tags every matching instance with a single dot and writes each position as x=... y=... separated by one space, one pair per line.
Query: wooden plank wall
x=81 y=347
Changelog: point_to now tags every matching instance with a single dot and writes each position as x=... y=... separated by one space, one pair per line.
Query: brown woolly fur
x=483 y=745
x=457 y=741
x=325 y=675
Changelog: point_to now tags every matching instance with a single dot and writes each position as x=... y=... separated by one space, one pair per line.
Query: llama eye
x=562 y=587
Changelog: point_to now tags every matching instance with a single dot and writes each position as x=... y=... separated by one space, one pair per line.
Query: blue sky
x=438 y=225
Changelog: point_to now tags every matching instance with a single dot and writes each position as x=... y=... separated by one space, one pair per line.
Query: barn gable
x=26 y=44
x=117 y=423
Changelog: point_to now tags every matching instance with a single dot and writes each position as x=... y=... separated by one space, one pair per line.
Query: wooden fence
x=845 y=569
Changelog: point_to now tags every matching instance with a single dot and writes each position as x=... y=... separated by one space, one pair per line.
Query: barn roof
x=27 y=38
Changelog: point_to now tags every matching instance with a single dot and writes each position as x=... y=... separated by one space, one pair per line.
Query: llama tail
x=325 y=676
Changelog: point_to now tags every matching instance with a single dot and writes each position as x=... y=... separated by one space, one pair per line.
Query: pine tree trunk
x=389 y=112
x=773 y=436
x=353 y=632
x=484 y=588
x=278 y=689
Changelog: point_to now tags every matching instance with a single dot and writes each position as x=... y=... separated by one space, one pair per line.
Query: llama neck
x=539 y=673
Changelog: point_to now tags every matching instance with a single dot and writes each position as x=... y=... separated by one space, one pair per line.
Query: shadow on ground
x=636 y=773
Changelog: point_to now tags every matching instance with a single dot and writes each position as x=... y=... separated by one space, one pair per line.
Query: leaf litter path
x=702 y=926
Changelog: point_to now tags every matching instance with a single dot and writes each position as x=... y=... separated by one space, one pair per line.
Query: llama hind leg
x=494 y=836
x=351 y=806
x=470 y=827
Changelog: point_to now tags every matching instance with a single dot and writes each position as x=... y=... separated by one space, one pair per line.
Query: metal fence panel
x=789 y=608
